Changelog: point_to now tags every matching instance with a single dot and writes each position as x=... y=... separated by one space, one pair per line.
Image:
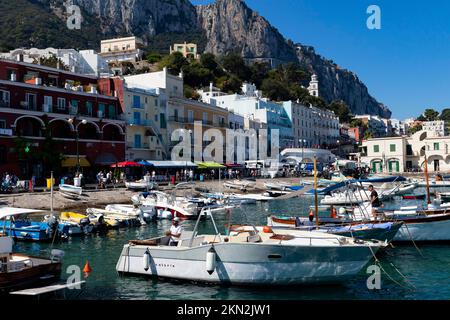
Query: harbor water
x=407 y=273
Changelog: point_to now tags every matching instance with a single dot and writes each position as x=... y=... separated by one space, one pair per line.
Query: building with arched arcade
x=47 y=112
x=405 y=154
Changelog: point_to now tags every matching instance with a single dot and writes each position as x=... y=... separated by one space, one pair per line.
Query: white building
x=377 y=126
x=251 y=104
x=306 y=155
x=434 y=128
x=399 y=127
x=402 y=154
x=312 y=126
x=122 y=49
x=86 y=62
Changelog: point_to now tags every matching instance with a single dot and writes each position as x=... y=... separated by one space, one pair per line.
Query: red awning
x=126 y=164
x=234 y=165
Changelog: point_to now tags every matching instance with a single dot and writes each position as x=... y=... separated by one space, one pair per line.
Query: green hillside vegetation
x=30 y=24
x=230 y=71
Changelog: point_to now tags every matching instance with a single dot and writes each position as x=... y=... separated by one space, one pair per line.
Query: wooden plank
x=48 y=289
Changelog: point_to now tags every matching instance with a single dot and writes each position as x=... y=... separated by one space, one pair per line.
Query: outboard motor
x=85 y=225
x=53 y=224
x=101 y=226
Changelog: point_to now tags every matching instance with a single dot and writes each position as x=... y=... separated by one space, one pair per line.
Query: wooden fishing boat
x=141 y=185
x=414 y=197
x=19 y=271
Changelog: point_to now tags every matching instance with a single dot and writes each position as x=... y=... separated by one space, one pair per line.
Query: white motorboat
x=430 y=224
x=434 y=184
x=178 y=206
x=141 y=185
x=356 y=195
x=251 y=257
x=242 y=185
x=279 y=186
x=70 y=190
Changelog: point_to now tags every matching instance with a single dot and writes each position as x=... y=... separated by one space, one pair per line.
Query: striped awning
x=209 y=165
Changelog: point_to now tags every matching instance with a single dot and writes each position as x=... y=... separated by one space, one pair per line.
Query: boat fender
x=211 y=260
x=267 y=229
x=146 y=260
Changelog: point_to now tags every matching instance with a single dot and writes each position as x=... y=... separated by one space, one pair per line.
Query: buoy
x=146 y=260
x=87 y=269
x=211 y=260
x=267 y=229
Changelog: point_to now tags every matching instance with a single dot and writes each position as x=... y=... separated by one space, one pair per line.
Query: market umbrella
x=126 y=164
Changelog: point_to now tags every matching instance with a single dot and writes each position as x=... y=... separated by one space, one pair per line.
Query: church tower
x=314 y=86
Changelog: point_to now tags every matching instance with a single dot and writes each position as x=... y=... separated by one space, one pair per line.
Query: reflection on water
x=429 y=274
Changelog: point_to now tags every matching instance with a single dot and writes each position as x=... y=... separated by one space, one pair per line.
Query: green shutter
x=392 y=147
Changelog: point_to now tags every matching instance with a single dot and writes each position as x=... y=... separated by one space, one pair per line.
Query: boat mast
x=316 y=203
x=427 y=179
x=51 y=192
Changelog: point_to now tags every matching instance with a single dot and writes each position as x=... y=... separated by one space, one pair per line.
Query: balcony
x=178 y=119
x=136 y=122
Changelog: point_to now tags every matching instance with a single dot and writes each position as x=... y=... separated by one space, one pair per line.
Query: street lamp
x=339 y=148
x=72 y=121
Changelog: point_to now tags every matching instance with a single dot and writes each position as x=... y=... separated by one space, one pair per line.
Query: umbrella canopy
x=145 y=163
x=126 y=164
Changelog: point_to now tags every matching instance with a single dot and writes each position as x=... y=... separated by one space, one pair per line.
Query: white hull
x=250 y=264
x=140 y=185
x=435 y=184
x=70 y=190
x=245 y=274
x=424 y=231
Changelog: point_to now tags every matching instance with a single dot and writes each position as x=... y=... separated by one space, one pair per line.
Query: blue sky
x=405 y=65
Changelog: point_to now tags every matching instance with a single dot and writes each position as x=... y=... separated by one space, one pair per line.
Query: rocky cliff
x=231 y=26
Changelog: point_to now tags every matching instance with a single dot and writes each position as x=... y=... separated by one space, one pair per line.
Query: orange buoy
x=267 y=229
x=87 y=268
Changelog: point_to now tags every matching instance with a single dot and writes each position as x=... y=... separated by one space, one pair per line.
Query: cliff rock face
x=231 y=26
x=144 y=18
x=336 y=83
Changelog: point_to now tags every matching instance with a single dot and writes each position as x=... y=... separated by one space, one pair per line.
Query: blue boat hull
x=27 y=231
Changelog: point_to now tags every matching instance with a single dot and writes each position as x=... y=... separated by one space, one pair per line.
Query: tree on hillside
x=196 y=76
x=173 y=62
x=341 y=110
x=445 y=115
x=154 y=57
x=229 y=84
x=275 y=89
x=258 y=72
x=235 y=64
x=429 y=115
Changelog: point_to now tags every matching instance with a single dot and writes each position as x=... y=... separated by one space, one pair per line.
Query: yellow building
x=146 y=128
x=188 y=50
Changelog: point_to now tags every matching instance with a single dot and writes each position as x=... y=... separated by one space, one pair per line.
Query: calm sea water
x=429 y=274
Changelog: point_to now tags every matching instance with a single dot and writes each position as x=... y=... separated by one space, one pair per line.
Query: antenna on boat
x=316 y=203
x=427 y=179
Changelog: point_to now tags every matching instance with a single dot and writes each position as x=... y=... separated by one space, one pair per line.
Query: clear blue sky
x=405 y=65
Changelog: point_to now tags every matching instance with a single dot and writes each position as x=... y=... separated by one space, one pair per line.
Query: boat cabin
x=6 y=246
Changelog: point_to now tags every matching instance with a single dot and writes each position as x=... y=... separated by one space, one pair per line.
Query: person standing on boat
x=175 y=232
x=375 y=201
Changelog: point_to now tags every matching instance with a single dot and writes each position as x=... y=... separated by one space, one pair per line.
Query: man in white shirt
x=175 y=232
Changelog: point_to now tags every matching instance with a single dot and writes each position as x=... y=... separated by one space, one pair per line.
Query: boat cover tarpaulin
x=8 y=211
x=355 y=181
